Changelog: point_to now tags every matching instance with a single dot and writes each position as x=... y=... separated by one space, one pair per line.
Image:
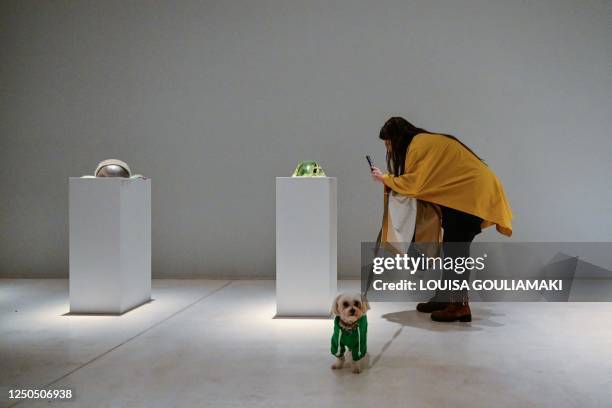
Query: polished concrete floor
x=216 y=344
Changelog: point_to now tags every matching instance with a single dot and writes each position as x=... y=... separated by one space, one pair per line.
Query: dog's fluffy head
x=350 y=307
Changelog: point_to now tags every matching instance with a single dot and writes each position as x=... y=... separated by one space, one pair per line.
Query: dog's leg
x=357 y=367
x=338 y=364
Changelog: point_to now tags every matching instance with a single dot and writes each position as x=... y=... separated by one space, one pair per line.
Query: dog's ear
x=365 y=305
x=334 y=306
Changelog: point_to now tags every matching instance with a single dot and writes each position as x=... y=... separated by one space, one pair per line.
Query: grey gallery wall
x=214 y=99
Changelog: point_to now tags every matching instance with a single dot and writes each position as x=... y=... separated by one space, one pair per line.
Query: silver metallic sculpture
x=113 y=168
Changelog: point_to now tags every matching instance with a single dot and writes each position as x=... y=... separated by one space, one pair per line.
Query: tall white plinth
x=306 y=245
x=110 y=244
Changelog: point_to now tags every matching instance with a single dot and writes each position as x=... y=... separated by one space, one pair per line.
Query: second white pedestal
x=306 y=245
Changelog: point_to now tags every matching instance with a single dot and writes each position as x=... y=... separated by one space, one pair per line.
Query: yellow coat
x=440 y=170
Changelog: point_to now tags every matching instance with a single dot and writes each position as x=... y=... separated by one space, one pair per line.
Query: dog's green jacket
x=355 y=339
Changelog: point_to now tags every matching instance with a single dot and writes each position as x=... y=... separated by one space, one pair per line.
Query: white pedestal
x=306 y=245
x=110 y=244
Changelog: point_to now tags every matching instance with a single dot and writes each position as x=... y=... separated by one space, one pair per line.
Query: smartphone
x=370 y=162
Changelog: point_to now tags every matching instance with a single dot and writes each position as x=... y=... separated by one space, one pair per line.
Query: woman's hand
x=377 y=175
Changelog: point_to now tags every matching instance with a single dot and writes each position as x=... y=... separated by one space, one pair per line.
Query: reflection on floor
x=216 y=343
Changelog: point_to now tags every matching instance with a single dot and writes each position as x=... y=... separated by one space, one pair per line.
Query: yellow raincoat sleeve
x=440 y=170
x=409 y=183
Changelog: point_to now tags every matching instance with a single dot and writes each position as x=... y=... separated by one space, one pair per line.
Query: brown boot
x=453 y=312
x=432 y=305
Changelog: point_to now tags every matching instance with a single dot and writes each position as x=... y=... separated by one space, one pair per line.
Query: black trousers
x=460 y=228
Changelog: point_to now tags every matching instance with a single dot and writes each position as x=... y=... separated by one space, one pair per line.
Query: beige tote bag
x=399 y=222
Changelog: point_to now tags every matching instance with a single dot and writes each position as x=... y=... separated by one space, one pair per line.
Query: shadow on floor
x=412 y=318
x=109 y=314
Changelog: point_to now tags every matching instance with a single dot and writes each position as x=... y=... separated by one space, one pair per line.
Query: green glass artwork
x=308 y=169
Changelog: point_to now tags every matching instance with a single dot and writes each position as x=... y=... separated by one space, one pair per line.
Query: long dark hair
x=399 y=132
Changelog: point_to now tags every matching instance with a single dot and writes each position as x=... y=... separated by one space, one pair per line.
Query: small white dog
x=350 y=329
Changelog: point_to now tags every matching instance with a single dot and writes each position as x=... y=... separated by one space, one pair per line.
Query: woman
x=442 y=172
